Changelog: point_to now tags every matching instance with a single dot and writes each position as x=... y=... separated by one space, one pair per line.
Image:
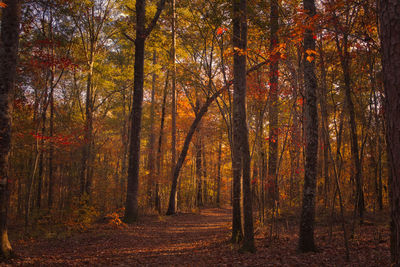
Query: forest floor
x=191 y=239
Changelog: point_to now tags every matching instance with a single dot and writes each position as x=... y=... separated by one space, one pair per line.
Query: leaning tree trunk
x=9 y=35
x=390 y=38
x=240 y=131
x=202 y=111
x=306 y=236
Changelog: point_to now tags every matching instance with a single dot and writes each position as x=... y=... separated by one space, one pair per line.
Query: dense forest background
x=73 y=118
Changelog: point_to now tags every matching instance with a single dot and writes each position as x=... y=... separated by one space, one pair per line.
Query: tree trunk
x=273 y=107
x=131 y=205
x=359 y=201
x=41 y=155
x=151 y=142
x=86 y=149
x=173 y=92
x=240 y=130
x=199 y=167
x=325 y=127
x=202 y=111
x=390 y=38
x=10 y=25
x=204 y=173
x=50 y=199
x=219 y=171
x=159 y=157
x=306 y=236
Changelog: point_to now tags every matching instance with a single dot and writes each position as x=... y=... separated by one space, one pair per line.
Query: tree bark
x=131 y=205
x=159 y=157
x=273 y=107
x=9 y=40
x=198 y=161
x=173 y=92
x=151 y=141
x=389 y=17
x=240 y=131
x=306 y=235
x=218 y=200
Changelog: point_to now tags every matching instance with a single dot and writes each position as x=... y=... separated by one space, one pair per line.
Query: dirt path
x=182 y=239
x=195 y=240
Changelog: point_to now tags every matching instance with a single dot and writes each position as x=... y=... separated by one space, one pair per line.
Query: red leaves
x=57 y=139
x=2 y=5
x=221 y=30
x=41 y=56
x=300 y=101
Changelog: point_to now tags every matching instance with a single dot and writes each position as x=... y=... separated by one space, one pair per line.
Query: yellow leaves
x=2 y=5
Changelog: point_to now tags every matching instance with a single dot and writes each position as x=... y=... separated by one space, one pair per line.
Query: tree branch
x=153 y=22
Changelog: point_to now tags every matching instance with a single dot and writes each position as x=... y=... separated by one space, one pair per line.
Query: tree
x=9 y=41
x=390 y=39
x=273 y=107
x=241 y=151
x=142 y=32
x=306 y=236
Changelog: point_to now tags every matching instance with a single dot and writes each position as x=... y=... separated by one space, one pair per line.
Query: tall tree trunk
x=159 y=159
x=273 y=107
x=306 y=236
x=218 y=200
x=9 y=37
x=359 y=201
x=125 y=143
x=240 y=130
x=50 y=199
x=131 y=205
x=173 y=91
x=204 y=173
x=88 y=132
x=325 y=126
x=41 y=155
x=199 y=166
x=151 y=142
x=390 y=38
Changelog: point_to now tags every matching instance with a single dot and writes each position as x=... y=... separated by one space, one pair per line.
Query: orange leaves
x=239 y=51
x=2 y=5
x=310 y=54
x=310 y=58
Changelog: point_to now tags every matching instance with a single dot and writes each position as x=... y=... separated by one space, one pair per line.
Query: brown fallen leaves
x=198 y=240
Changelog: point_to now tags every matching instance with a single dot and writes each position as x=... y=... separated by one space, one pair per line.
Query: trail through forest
x=190 y=239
